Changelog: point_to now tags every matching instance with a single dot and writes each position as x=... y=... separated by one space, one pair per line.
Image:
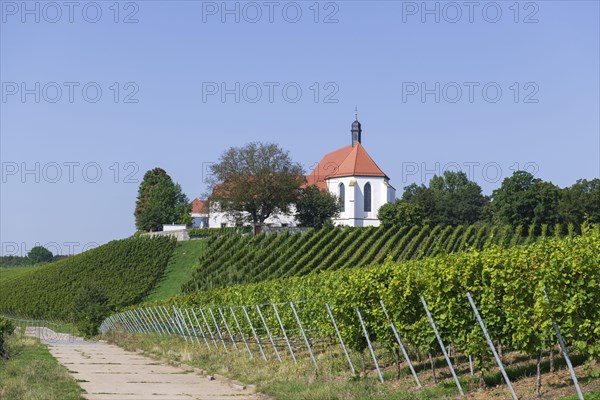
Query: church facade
x=351 y=174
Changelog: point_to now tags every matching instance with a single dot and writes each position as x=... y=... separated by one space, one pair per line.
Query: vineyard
x=236 y=258
x=125 y=270
x=520 y=291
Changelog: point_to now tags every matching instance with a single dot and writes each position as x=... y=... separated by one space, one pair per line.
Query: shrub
x=6 y=328
x=90 y=307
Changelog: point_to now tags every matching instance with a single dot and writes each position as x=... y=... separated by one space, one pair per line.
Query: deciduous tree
x=579 y=201
x=254 y=182
x=525 y=200
x=40 y=254
x=450 y=199
x=316 y=207
x=457 y=199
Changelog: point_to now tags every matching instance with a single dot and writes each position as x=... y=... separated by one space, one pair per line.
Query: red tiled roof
x=199 y=206
x=347 y=161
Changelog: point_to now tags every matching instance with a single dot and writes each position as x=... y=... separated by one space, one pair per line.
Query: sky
x=94 y=94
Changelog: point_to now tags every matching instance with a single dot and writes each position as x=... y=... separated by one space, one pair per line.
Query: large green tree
x=524 y=200
x=39 y=254
x=458 y=200
x=580 y=201
x=254 y=182
x=422 y=196
x=316 y=207
x=160 y=201
x=450 y=199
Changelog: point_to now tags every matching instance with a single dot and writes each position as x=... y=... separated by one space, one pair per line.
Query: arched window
x=342 y=197
x=367 y=197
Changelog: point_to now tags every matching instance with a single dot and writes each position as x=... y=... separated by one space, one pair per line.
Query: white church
x=349 y=172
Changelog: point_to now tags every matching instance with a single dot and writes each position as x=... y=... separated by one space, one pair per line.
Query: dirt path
x=108 y=372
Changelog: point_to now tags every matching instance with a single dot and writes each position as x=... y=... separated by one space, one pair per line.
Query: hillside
x=236 y=258
x=125 y=270
x=139 y=269
x=182 y=264
x=523 y=293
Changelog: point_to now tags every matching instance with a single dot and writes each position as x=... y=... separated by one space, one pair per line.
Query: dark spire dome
x=356 y=129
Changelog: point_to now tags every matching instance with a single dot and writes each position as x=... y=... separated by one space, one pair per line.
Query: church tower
x=356 y=130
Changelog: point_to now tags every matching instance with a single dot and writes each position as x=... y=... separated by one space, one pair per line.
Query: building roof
x=344 y=162
x=199 y=206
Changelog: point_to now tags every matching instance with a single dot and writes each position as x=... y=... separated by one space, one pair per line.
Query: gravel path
x=108 y=372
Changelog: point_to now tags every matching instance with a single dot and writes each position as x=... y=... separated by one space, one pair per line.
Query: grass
x=333 y=381
x=595 y=395
x=31 y=373
x=182 y=264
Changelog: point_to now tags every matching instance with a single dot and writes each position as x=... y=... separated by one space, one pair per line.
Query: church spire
x=356 y=129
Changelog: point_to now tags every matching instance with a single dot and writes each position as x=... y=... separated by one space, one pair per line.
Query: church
x=355 y=178
x=350 y=173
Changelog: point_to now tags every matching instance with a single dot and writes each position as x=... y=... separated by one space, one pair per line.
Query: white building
x=349 y=173
x=220 y=219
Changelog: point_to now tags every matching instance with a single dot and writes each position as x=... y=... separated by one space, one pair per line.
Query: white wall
x=171 y=227
x=354 y=214
x=217 y=218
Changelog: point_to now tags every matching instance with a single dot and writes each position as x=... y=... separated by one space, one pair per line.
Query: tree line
x=249 y=184
x=522 y=199
x=37 y=255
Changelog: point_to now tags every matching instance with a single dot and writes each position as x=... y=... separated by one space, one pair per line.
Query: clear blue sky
x=379 y=56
